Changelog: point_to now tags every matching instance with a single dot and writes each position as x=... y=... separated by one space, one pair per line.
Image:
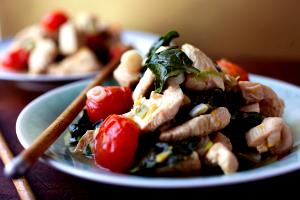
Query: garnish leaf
x=168 y=63
x=163 y=41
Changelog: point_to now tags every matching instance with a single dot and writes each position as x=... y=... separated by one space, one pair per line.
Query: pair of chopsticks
x=24 y=161
x=21 y=184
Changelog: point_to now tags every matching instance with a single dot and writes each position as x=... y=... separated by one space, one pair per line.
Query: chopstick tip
x=17 y=167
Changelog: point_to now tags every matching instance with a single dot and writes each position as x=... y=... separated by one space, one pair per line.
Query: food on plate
x=187 y=115
x=62 y=45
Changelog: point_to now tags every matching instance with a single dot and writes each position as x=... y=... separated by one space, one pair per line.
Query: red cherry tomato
x=233 y=69
x=53 y=20
x=116 y=143
x=16 y=59
x=103 y=101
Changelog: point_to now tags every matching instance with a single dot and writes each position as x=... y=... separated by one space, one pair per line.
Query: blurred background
x=235 y=29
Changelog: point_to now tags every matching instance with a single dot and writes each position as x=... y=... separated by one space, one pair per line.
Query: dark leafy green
x=168 y=63
x=77 y=130
x=178 y=152
x=162 y=41
x=217 y=98
x=240 y=123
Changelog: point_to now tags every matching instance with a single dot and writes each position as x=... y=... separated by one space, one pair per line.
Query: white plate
x=42 y=111
x=141 y=41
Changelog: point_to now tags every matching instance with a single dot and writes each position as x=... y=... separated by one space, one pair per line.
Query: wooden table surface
x=48 y=183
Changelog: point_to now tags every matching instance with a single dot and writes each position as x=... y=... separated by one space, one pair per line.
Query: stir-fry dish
x=62 y=45
x=187 y=115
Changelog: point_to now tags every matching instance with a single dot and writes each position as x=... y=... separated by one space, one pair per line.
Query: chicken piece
x=30 y=34
x=190 y=166
x=287 y=141
x=211 y=77
x=84 y=61
x=151 y=113
x=85 y=140
x=143 y=85
x=272 y=134
x=220 y=155
x=221 y=138
x=252 y=92
x=176 y=80
x=68 y=40
x=251 y=108
x=86 y=22
x=128 y=72
x=41 y=56
x=271 y=105
x=198 y=126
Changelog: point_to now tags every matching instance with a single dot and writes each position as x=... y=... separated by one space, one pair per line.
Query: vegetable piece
x=116 y=143
x=217 y=98
x=53 y=20
x=199 y=110
x=168 y=63
x=103 y=101
x=240 y=123
x=77 y=130
x=233 y=69
x=162 y=41
x=16 y=59
x=165 y=155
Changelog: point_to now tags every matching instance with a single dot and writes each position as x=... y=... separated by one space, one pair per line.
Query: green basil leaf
x=168 y=63
x=163 y=41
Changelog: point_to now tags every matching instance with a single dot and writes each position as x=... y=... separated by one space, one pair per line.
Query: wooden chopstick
x=21 y=184
x=23 y=162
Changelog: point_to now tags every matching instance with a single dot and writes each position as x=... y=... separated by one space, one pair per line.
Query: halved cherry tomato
x=103 y=101
x=16 y=59
x=53 y=20
x=233 y=69
x=116 y=143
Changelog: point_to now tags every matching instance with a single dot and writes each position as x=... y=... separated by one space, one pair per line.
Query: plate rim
x=156 y=182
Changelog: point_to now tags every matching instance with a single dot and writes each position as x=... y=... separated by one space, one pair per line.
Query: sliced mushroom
x=198 y=126
x=254 y=107
x=151 y=113
x=143 y=85
x=211 y=78
x=41 y=56
x=84 y=61
x=190 y=166
x=68 y=40
x=272 y=134
x=220 y=155
x=128 y=72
